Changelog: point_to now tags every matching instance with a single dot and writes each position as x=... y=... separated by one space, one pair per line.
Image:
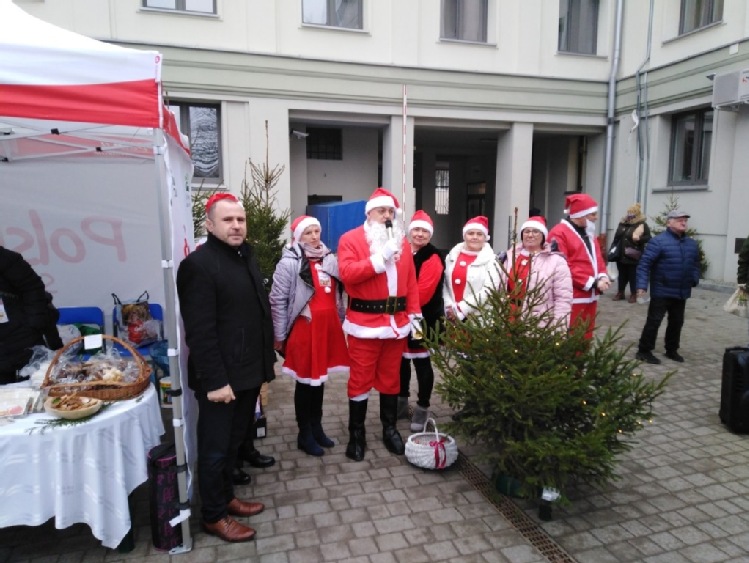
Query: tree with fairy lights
x=551 y=407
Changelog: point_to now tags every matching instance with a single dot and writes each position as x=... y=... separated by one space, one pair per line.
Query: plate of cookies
x=72 y=407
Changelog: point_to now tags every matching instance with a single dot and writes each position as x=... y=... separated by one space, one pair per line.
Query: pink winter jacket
x=551 y=267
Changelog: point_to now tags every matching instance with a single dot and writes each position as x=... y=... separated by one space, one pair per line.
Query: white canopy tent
x=95 y=181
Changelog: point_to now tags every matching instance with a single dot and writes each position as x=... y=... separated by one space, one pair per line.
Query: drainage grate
x=527 y=527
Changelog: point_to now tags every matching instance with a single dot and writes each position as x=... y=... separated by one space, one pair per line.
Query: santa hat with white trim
x=299 y=224
x=537 y=222
x=382 y=198
x=422 y=220
x=580 y=205
x=480 y=223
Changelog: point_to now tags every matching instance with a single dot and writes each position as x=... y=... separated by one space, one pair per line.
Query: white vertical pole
x=405 y=148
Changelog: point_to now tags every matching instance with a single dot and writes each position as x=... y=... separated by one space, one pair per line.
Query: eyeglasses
x=531 y=232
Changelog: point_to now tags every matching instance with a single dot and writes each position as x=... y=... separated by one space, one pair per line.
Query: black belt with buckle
x=390 y=306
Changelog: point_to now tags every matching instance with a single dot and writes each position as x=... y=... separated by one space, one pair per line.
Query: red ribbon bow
x=440 y=455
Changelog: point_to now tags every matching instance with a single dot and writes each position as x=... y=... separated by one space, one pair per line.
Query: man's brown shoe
x=229 y=529
x=242 y=508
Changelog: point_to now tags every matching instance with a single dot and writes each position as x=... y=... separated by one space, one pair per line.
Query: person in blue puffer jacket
x=671 y=264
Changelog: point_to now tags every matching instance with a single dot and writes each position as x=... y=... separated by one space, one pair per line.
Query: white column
x=513 y=181
x=393 y=170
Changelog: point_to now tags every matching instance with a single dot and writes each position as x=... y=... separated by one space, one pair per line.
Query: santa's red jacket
x=586 y=268
x=367 y=278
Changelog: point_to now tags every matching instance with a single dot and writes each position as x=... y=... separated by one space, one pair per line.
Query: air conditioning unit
x=731 y=89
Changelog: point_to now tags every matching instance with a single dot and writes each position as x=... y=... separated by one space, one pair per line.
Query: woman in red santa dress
x=307 y=307
x=471 y=271
x=430 y=269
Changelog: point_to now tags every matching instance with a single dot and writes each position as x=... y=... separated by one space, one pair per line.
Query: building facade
x=460 y=107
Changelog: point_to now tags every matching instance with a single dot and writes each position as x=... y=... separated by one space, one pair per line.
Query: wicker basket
x=104 y=390
x=431 y=450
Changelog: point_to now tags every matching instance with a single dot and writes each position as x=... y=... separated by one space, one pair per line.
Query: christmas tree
x=550 y=407
x=265 y=224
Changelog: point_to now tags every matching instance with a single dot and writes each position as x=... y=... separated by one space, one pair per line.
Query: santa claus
x=377 y=269
x=574 y=237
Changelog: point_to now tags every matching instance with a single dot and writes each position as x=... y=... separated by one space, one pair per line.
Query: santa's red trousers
x=584 y=313
x=375 y=363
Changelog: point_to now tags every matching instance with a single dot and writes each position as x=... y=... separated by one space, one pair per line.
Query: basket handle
x=434 y=425
x=140 y=360
x=440 y=455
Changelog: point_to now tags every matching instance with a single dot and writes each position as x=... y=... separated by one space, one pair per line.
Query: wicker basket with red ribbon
x=431 y=450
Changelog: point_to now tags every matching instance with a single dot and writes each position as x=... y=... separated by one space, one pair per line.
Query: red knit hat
x=537 y=222
x=382 y=198
x=299 y=224
x=218 y=197
x=580 y=205
x=480 y=223
x=421 y=219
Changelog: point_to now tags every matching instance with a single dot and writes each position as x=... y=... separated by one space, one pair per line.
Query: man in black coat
x=25 y=314
x=229 y=332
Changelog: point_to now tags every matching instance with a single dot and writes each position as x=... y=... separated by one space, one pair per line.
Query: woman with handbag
x=307 y=308
x=632 y=235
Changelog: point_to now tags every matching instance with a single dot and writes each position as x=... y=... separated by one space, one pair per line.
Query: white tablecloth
x=80 y=473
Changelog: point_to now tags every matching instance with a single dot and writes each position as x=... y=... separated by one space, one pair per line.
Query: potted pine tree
x=549 y=407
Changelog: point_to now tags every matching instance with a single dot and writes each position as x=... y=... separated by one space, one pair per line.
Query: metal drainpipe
x=610 y=115
x=643 y=137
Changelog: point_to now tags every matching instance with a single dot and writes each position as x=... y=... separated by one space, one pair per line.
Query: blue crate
x=336 y=218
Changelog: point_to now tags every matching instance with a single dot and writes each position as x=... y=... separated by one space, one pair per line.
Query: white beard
x=377 y=235
x=590 y=229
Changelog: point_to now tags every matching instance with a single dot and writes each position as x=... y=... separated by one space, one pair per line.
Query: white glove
x=416 y=330
x=390 y=249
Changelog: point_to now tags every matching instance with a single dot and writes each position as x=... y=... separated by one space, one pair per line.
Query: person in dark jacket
x=430 y=270
x=742 y=276
x=671 y=263
x=632 y=235
x=26 y=315
x=229 y=332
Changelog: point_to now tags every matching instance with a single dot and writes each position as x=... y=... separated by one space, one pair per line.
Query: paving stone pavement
x=681 y=497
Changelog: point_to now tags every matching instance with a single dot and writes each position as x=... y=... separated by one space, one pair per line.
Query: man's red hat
x=382 y=198
x=218 y=197
x=580 y=205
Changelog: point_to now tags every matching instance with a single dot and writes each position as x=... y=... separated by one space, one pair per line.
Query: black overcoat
x=227 y=318
x=25 y=303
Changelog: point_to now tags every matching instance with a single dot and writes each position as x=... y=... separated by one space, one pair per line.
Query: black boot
x=305 y=441
x=317 y=394
x=388 y=416
x=357 y=412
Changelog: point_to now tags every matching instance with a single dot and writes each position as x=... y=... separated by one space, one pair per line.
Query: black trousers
x=658 y=308
x=424 y=377
x=627 y=276
x=221 y=428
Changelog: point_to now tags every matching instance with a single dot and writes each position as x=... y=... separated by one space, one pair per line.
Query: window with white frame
x=201 y=123
x=691 y=136
x=699 y=13
x=578 y=26
x=197 y=6
x=465 y=20
x=442 y=188
x=333 y=13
